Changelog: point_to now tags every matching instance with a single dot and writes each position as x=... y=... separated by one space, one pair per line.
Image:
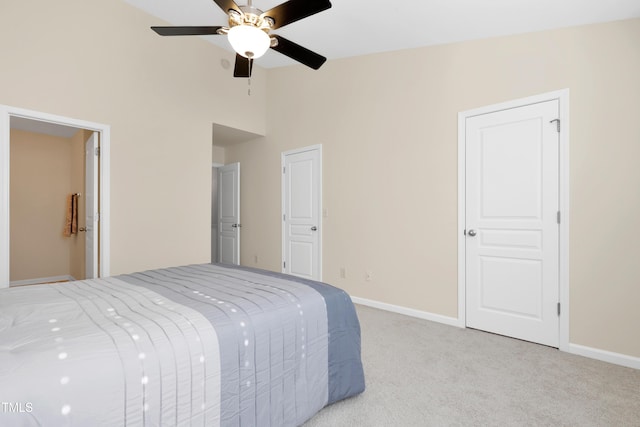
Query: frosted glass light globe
x=249 y=41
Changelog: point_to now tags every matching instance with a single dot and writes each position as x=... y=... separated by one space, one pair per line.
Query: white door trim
x=283 y=156
x=563 y=98
x=6 y=112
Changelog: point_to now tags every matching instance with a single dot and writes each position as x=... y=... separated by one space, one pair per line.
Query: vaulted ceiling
x=361 y=27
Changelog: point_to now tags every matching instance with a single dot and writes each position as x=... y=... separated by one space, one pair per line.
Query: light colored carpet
x=421 y=373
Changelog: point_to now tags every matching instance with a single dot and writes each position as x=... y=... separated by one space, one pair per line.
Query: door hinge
x=284 y=217
x=557 y=121
x=97 y=151
x=558 y=309
x=558 y=217
x=284 y=169
x=284 y=264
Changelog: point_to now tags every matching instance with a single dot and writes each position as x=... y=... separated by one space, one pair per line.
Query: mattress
x=200 y=345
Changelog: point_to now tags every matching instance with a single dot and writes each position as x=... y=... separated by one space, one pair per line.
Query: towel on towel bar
x=71 y=224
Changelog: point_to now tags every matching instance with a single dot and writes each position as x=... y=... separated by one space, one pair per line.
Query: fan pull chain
x=249 y=84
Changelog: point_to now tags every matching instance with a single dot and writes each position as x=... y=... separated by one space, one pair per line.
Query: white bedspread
x=167 y=356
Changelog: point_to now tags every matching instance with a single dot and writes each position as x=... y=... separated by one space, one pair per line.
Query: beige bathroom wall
x=40 y=182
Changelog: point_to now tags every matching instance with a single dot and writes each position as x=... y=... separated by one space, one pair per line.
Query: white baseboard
x=580 y=350
x=604 y=355
x=41 y=280
x=452 y=321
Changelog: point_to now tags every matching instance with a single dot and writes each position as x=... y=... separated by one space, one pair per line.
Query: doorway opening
x=225 y=194
x=54 y=198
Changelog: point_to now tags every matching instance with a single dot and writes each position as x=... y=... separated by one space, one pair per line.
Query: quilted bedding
x=201 y=345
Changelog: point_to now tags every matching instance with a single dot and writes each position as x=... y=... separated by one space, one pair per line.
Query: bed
x=199 y=345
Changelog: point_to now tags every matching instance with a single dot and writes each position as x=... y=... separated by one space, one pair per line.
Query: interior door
x=91 y=207
x=512 y=263
x=301 y=213
x=214 y=213
x=229 y=214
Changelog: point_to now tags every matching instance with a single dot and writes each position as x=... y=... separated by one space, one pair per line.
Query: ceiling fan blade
x=299 y=53
x=186 y=31
x=294 y=10
x=243 y=66
x=226 y=5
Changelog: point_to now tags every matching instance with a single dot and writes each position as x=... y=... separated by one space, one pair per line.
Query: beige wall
x=388 y=125
x=218 y=155
x=40 y=182
x=99 y=61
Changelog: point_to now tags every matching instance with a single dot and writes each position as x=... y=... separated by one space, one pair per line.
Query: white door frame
x=6 y=112
x=563 y=98
x=317 y=147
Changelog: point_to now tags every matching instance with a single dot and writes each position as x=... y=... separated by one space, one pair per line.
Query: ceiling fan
x=249 y=32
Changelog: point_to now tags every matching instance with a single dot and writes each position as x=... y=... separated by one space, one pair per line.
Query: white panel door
x=229 y=214
x=301 y=213
x=511 y=227
x=91 y=207
x=214 y=213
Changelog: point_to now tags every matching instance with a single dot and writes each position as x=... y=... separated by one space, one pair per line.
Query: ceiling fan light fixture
x=249 y=41
x=249 y=31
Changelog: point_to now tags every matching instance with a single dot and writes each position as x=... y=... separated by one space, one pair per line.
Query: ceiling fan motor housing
x=250 y=16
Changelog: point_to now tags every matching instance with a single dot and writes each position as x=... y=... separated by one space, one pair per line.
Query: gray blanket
x=201 y=345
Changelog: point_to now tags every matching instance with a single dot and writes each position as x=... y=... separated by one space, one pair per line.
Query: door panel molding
x=563 y=251
x=6 y=112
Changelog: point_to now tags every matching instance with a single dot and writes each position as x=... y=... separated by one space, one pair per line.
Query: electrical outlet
x=368 y=276
x=343 y=273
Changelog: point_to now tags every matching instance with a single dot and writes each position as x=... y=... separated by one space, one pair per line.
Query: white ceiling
x=360 y=27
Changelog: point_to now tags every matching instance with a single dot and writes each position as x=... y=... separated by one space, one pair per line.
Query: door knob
x=314 y=228
x=236 y=225
x=471 y=233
